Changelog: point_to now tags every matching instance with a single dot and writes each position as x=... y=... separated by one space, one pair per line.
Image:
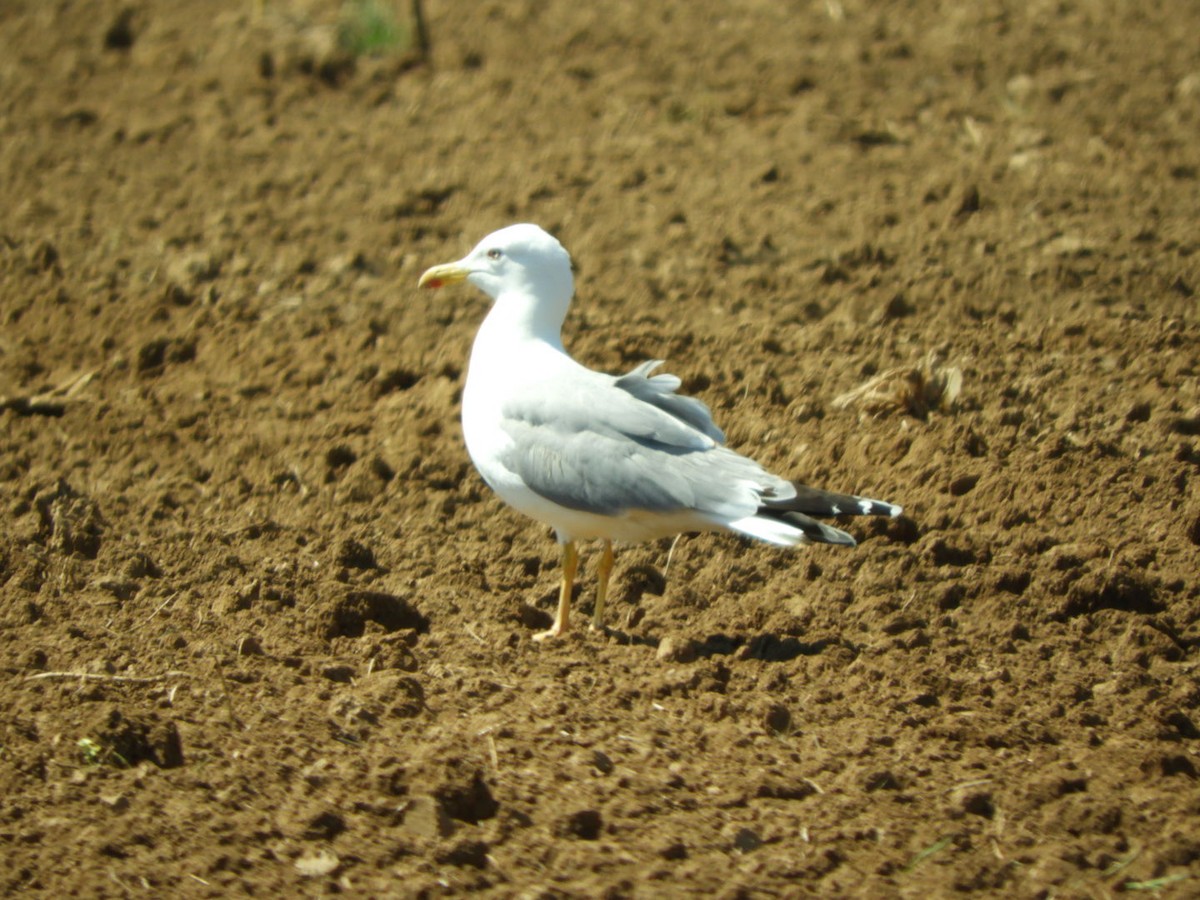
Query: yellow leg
x=570 y=562
x=602 y=573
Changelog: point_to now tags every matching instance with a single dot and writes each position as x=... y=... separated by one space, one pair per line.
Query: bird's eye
x=494 y=254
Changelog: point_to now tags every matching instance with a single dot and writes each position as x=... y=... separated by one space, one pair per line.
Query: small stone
x=118 y=587
x=141 y=565
x=1189 y=423
x=778 y=719
x=339 y=673
x=602 y=763
x=963 y=484
x=120 y=34
x=152 y=355
x=678 y=650
x=44 y=257
x=465 y=795
x=467 y=852
x=353 y=555
x=1069 y=245
x=35 y=658
x=1194 y=531
x=897 y=307
x=425 y=818
x=363 y=481
x=324 y=825
x=351 y=262
x=746 y=840
x=177 y=295
x=970 y=203
x=674 y=851
x=883 y=781
x=249 y=646
x=1171 y=764
x=115 y=802
x=1139 y=412
x=979 y=803
x=903 y=623
x=1024 y=160
x=193 y=268
x=318 y=864
x=1020 y=86
x=1182 y=725
x=230 y=602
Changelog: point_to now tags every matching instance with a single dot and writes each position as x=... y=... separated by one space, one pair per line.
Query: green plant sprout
x=372 y=28
x=928 y=852
x=94 y=754
x=1155 y=884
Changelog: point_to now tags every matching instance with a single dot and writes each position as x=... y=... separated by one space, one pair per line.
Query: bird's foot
x=554 y=631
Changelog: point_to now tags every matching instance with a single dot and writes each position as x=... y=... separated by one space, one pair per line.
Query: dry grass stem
x=117 y=679
x=916 y=390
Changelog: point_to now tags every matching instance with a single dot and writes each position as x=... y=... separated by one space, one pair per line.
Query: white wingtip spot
x=896 y=510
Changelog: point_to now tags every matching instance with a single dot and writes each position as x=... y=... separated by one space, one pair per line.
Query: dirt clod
x=350 y=614
x=584 y=825
x=124 y=740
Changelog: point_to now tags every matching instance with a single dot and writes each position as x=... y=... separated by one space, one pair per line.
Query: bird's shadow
x=766 y=647
x=624 y=637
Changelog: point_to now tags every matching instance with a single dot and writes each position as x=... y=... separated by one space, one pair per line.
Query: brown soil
x=266 y=632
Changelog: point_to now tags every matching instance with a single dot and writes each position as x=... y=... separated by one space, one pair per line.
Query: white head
x=521 y=267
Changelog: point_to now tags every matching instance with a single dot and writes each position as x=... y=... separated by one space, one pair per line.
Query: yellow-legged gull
x=619 y=458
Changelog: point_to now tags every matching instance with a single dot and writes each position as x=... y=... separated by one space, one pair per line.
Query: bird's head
x=519 y=259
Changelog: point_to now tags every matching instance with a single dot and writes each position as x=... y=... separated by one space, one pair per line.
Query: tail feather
x=771 y=529
x=816 y=532
x=788 y=529
x=826 y=504
x=794 y=521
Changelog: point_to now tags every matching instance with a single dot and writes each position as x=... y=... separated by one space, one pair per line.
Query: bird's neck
x=516 y=317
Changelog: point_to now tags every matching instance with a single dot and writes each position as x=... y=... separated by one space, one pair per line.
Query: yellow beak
x=447 y=273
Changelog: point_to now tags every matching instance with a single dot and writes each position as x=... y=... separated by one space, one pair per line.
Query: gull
x=610 y=457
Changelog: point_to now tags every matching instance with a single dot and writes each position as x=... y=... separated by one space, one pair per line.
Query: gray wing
x=591 y=442
x=659 y=390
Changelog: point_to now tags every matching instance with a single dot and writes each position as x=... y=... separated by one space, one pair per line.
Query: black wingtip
x=826 y=504
x=879 y=508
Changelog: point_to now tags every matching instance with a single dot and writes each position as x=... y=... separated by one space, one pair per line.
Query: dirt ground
x=264 y=630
